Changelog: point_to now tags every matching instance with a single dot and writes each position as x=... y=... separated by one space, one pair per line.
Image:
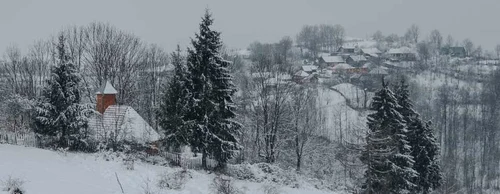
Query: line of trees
x=99 y=52
x=323 y=37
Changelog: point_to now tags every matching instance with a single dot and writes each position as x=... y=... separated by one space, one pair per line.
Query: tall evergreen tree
x=211 y=113
x=59 y=113
x=387 y=153
x=424 y=148
x=174 y=105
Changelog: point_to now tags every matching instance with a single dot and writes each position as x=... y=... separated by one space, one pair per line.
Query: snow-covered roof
x=107 y=89
x=243 y=52
x=371 y=51
x=125 y=122
x=357 y=58
x=261 y=74
x=333 y=59
x=309 y=68
x=163 y=68
x=301 y=73
x=378 y=71
x=342 y=66
x=368 y=65
x=324 y=54
x=348 y=46
x=400 y=50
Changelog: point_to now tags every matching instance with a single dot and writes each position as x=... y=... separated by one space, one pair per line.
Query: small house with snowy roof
x=121 y=122
x=402 y=54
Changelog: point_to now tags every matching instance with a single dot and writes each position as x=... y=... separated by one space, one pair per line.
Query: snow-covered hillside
x=49 y=172
x=341 y=121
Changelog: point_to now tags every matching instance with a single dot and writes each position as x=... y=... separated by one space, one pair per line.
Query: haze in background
x=169 y=22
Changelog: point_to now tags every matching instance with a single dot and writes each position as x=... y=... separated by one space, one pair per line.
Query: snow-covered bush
x=224 y=185
x=174 y=180
x=62 y=151
x=277 y=174
x=270 y=188
x=128 y=162
x=13 y=185
x=147 y=188
x=241 y=171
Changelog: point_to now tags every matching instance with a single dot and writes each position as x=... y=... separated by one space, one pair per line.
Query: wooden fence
x=17 y=138
x=189 y=162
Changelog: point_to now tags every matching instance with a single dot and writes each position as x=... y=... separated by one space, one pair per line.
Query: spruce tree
x=59 y=113
x=211 y=112
x=387 y=153
x=174 y=105
x=424 y=148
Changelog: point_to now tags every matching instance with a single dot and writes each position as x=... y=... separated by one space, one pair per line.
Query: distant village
x=358 y=62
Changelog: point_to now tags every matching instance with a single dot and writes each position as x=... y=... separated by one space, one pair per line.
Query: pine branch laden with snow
x=423 y=145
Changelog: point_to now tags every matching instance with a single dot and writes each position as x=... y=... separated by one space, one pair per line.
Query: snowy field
x=355 y=94
x=482 y=69
x=341 y=121
x=50 y=172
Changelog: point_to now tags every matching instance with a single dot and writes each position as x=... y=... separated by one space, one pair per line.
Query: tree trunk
x=204 y=159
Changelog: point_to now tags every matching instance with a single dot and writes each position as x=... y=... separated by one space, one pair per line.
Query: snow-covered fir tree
x=211 y=111
x=424 y=148
x=387 y=153
x=174 y=104
x=60 y=116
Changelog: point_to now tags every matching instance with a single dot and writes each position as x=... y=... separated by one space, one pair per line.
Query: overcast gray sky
x=168 y=22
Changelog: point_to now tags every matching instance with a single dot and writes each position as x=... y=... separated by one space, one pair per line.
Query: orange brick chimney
x=105 y=97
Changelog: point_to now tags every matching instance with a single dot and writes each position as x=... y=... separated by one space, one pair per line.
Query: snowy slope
x=341 y=121
x=49 y=172
x=355 y=94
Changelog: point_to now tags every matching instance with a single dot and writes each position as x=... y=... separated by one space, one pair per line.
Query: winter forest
x=317 y=112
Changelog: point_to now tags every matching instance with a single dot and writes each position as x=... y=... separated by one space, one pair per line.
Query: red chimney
x=106 y=96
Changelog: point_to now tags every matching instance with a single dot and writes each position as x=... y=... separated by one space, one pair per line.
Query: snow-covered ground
x=50 y=172
x=477 y=69
x=341 y=121
x=355 y=94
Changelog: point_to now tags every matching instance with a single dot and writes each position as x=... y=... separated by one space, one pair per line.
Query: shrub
x=224 y=185
x=175 y=180
x=14 y=185
x=242 y=171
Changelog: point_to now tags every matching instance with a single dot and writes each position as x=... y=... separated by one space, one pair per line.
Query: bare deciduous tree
x=378 y=36
x=305 y=119
x=469 y=46
x=436 y=39
x=309 y=38
x=412 y=34
x=338 y=36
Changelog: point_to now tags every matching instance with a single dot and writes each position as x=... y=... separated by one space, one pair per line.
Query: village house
x=454 y=51
x=402 y=54
x=118 y=122
x=341 y=68
x=370 y=52
x=300 y=75
x=347 y=49
x=356 y=60
x=310 y=69
x=330 y=61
